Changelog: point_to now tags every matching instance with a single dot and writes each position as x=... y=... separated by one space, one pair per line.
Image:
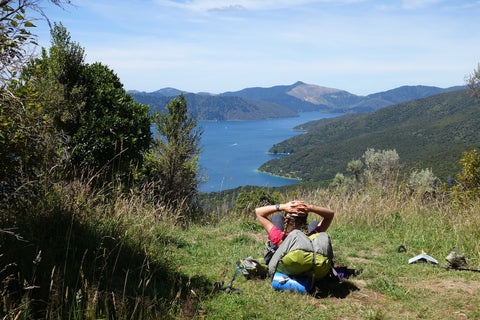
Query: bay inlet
x=234 y=150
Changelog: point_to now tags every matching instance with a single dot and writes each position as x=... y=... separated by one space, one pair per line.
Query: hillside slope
x=216 y=108
x=420 y=130
x=401 y=94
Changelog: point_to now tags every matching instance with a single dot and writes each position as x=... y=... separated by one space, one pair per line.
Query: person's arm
x=325 y=213
x=263 y=212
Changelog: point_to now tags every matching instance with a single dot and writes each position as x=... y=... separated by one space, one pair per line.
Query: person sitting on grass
x=294 y=218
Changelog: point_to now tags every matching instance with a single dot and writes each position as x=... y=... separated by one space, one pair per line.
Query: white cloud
x=416 y=4
x=224 y=5
x=230 y=8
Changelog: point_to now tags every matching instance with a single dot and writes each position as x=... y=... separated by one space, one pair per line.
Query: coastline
x=244 y=120
x=278 y=176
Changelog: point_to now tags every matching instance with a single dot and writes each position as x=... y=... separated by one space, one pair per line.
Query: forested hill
x=430 y=132
x=207 y=107
x=283 y=101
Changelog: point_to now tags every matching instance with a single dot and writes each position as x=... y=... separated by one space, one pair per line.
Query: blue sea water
x=234 y=150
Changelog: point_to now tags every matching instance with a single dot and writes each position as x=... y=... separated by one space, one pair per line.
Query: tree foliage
x=114 y=131
x=104 y=129
x=15 y=34
x=173 y=160
x=14 y=37
x=380 y=163
x=380 y=169
x=468 y=180
x=27 y=139
x=59 y=78
x=247 y=201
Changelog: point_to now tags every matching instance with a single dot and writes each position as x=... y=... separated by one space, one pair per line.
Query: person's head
x=295 y=221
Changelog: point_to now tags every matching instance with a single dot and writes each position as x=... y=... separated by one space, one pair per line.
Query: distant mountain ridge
x=430 y=132
x=281 y=101
x=301 y=97
x=214 y=108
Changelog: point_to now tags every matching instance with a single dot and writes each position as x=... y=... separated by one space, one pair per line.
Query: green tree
x=114 y=131
x=173 y=159
x=468 y=180
x=105 y=130
x=27 y=141
x=247 y=201
x=61 y=83
x=14 y=38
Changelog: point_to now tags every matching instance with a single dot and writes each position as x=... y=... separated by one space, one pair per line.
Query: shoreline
x=274 y=175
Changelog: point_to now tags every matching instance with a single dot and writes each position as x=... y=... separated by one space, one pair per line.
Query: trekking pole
x=459 y=268
x=229 y=288
x=224 y=273
x=218 y=285
x=467 y=269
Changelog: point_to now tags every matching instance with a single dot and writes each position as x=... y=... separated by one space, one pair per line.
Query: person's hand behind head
x=298 y=207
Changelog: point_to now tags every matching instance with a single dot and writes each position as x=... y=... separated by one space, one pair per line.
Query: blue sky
x=362 y=46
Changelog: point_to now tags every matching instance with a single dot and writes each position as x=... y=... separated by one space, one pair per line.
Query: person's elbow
x=257 y=213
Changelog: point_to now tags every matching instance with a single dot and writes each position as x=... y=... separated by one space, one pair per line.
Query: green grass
x=387 y=287
x=99 y=259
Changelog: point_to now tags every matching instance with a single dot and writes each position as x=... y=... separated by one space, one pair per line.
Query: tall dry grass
x=424 y=222
x=96 y=252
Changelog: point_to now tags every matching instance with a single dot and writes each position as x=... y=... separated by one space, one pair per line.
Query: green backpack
x=302 y=255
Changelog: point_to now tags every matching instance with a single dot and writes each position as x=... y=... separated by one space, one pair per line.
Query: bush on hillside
x=247 y=201
x=468 y=180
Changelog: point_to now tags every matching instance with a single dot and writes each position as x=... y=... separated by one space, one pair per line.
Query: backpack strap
x=270 y=249
x=313 y=265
